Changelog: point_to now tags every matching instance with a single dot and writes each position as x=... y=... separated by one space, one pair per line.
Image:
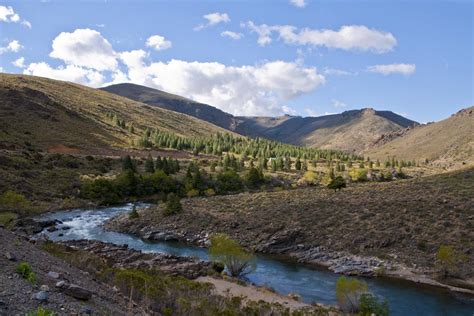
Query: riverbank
x=391 y=229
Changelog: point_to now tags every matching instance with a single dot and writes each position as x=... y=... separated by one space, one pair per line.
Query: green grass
x=7 y=218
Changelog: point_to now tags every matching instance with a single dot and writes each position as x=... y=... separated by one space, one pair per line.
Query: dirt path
x=250 y=292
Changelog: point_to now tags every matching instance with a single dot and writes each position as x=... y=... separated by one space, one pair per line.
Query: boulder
x=10 y=256
x=53 y=275
x=41 y=296
x=78 y=292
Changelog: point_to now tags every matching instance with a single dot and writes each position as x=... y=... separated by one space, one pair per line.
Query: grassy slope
x=409 y=218
x=450 y=142
x=49 y=113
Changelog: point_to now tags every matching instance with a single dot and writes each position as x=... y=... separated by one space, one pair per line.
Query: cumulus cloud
x=232 y=35
x=69 y=73
x=299 y=3
x=20 y=62
x=8 y=14
x=245 y=90
x=14 y=47
x=348 y=37
x=158 y=42
x=404 y=69
x=213 y=19
x=84 y=48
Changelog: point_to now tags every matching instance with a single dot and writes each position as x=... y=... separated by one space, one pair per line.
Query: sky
x=298 y=57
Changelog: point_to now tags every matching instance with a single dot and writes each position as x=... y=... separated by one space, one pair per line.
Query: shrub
x=369 y=305
x=192 y=193
x=10 y=200
x=228 y=252
x=210 y=192
x=449 y=260
x=6 y=218
x=173 y=205
x=133 y=214
x=310 y=177
x=348 y=293
x=228 y=181
x=25 y=271
x=254 y=178
x=337 y=183
x=40 y=311
x=358 y=175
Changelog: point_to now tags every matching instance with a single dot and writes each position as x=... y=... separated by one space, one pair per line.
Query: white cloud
x=69 y=73
x=338 y=104
x=213 y=19
x=232 y=35
x=348 y=37
x=404 y=69
x=26 y=23
x=158 y=42
x=299 y=3
x=14 y=47
x=8 y=14
x=336 y=72
x=245 y=90
x=84 y=48
x=20 y=62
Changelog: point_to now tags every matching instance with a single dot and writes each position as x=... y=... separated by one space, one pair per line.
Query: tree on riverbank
x=227 y=251
x=353 y=296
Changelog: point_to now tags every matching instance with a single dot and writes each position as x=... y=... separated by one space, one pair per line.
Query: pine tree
x=149 y=165
x=127 y=164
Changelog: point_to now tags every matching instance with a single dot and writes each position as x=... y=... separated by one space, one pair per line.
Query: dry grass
x=409 y=218
x=54 y=113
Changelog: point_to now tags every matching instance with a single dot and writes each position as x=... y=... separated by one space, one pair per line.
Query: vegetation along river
x=313 y=285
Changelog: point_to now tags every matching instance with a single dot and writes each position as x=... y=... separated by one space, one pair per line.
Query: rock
x=65 y=228
x=53 y=275
x=78 y=292
x=52 y=229
x=10 y=256
x=44 y=288
x=41 y=296
x=61 y=284
x=87 y=310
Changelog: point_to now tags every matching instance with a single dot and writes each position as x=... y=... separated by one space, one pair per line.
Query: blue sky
x=256 y=57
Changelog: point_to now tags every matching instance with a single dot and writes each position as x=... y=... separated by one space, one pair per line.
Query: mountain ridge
x=296 y=130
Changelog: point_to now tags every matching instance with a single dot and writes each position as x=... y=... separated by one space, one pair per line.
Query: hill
x=174 y=103
x=50 y=113
x=449 y=142
x=352 y=131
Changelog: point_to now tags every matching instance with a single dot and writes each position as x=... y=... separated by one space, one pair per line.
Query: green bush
x=348 y=293
x=11 y=201
x=228 y=181
x=254 y=178
x=40 y=311
x=228 y=252
x=369 y=305
x=25 y=271
x=337 y=183
x=173 y=205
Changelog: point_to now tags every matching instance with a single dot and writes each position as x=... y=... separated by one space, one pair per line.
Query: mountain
x=352 y=131
x=449 y=142
x=48 y=113
x=174 y=103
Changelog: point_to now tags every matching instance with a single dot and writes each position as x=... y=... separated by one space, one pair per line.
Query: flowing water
x=313 y=285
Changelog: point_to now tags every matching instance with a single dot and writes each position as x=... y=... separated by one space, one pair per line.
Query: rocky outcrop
x=120 y=256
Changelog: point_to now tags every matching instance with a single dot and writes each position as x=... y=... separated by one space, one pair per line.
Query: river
x=285 y=276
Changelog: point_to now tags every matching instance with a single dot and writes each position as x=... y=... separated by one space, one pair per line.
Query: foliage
x=25 y=271
x=6 y=218
x=369 y=305
x=337 y=183
x=358 y=175
x=173 y=205
x=449 y=260
x=228 y=181
x=192 y=193
x=348 y=293
x=310 y=177
x=10 y=200
x=133 y=214
x=254 y=177
x=127 y=164
x=228 y=252
x=40 y=311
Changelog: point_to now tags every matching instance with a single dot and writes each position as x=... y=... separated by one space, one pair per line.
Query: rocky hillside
x=352 y=131
x=448 y=143
x=50 y=114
